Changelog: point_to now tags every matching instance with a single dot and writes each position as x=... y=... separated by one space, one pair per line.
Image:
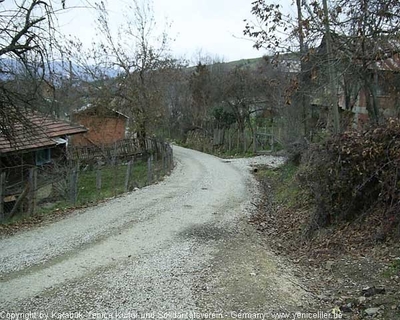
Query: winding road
x=182 y=245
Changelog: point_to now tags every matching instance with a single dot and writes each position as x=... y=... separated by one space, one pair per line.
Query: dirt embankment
x=345 y=266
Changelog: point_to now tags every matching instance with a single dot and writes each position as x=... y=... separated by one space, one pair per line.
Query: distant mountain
x=87 y=73
x=65 y=69
x=9 y=68
x=289 y=63
x=249 y=63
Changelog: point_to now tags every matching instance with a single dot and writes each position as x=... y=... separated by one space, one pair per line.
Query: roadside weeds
x=344 y=266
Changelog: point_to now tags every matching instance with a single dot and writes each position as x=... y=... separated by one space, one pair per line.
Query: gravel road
x=182 y=245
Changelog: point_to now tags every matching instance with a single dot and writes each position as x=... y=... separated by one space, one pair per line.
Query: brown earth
x=349 y=266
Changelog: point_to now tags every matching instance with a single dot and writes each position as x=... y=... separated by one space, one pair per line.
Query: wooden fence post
x=2 y=193
x=255 y=142
x=238 y=141
x=115 y=168
x=98 y=176
x=272 y=142
x=128 y=175
x=73 y=185
x=155 y=151
x=244 y=141
x=32 y=190
x=164 y=159
x=171 y=158
x=149 y=169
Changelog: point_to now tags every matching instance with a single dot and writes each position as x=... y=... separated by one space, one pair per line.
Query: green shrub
x=355 y=173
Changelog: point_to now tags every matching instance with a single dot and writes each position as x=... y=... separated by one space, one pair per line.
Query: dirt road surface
x=179 y=246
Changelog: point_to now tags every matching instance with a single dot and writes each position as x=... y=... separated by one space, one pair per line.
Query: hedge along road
x=181 y=245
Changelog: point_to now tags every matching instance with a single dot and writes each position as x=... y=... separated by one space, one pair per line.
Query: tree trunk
x=141 y=134
x=371 y=102
x=332 y=82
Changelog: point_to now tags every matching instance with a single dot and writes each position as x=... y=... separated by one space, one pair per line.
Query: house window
x=42 y=157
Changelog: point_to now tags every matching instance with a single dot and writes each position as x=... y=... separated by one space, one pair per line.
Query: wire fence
x=29 y=189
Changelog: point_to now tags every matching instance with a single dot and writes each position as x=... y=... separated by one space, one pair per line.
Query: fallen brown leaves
x=339 y=261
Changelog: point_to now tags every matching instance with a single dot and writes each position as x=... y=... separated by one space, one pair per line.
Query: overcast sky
x=213 y=26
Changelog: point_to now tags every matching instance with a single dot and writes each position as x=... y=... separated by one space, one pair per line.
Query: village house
x=385 y=76
x=37 y=141
x=368 y=80
x=105 y=126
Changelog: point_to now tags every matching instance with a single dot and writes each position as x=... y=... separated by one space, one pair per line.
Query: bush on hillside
x=354 y=174
x=295 y=150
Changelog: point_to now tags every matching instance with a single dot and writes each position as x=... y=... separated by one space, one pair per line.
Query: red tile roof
x=37 y=131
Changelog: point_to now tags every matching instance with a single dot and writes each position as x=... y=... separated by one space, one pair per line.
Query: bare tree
x=356 y=35
x=287 y=38
x=27 y=45
x=140 y=54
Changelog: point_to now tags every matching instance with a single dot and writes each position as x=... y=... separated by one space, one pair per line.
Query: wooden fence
x=80 y=181
x=123 y=149
x=92 y=183
x=259 y=140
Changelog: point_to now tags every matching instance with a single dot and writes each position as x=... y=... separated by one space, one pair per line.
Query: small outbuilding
x=105 y=126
